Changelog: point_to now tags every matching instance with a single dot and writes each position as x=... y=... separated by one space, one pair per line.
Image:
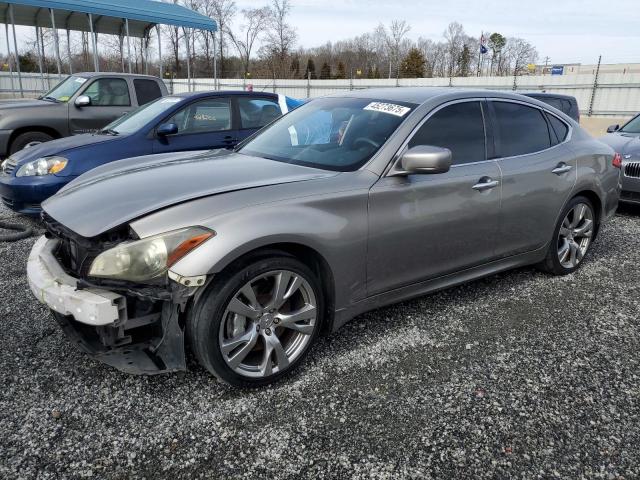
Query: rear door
x=202 y=125
x=425 y=226
x=110 y=99
x=538 y=174
x=254 y=112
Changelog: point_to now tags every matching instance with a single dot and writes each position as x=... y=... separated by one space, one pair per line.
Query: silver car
x=346 y=204
x=626 y=141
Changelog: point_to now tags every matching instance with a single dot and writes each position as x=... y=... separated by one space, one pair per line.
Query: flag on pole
x=483 y=46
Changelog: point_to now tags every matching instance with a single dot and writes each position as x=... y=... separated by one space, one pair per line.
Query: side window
x=108 y=92
x=257 y=112
x=521 y=129
x=146 y=90
x=211 y=115
x=554 y=102
x=458 y=127
x=559 y=127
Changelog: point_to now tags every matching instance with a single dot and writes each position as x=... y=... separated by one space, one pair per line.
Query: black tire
x=551 y=264
x=26 y=138
x=205 y=317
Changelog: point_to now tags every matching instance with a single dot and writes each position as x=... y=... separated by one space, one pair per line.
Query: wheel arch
x=36 y=128
x=304 y=253
x=597 y=203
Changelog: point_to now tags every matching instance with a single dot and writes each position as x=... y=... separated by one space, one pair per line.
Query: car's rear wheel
x=256 y=324
x=572 y=238
x=28 y=138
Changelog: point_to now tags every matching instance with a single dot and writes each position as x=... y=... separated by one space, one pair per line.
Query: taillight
x=617 y=160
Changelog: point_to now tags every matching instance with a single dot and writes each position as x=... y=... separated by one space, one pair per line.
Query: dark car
x=83 y=102
x=565 y=103
x=346 y=204
x=190 y=121
x=626 y=141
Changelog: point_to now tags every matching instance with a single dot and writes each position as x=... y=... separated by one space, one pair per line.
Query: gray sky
x=566 y=30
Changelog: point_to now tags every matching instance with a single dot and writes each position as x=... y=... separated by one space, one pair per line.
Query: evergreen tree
x=342 y=73
x=325 y=71
x=412 y=65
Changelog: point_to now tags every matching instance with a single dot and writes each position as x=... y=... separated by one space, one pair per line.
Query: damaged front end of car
x=114 y=295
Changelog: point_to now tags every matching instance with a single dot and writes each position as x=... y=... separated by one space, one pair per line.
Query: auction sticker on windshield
x=393 y=109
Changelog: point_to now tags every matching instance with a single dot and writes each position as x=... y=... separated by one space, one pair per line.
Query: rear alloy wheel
x=572 y=237
x=259 y=325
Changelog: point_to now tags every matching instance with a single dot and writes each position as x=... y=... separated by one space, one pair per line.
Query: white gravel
x=520 y=375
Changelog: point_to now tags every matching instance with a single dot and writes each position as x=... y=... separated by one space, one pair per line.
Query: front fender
x=335 y=226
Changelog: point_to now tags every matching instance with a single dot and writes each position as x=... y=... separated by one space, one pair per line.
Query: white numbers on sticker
x=393 y=109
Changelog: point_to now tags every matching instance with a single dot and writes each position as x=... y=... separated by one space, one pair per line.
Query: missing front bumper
x=130 y=333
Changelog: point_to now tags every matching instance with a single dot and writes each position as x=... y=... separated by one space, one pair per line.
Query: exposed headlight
x=149 y=258
x=42 y=166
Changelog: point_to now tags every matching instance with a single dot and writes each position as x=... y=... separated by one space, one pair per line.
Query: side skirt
x=435 y=284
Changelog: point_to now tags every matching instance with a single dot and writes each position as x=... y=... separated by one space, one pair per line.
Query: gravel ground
x=520 y=375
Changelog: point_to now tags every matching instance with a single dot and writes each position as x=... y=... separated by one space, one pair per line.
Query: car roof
x=420 y=95
x=548 y=95
x=235 y=93
x=111 y=74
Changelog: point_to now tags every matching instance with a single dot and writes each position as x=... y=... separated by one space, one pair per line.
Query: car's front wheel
x=255 y=324
x=572 y=239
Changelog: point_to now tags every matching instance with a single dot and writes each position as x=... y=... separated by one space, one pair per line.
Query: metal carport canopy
x=107 y=15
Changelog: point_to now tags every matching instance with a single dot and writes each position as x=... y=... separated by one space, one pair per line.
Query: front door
x=110 y=99
x=202 y=125
x=539 y=172
x=423 y=226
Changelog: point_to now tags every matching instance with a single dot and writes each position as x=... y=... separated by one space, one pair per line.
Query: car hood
x=61 y=145
x=119 y=192
x=624 y=144
x=22 y=104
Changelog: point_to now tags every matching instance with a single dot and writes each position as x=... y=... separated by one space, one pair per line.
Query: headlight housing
x=42 y=166
x=149 y=258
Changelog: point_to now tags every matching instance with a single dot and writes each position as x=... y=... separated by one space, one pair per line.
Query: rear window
x=559 y=128
x=146 y=90
x=521 y=129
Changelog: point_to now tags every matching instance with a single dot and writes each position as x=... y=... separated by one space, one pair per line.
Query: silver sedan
x=346 y=204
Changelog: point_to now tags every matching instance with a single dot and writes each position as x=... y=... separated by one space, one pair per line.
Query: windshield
x=65 y=89
x=339 y=134
x=137 y=119
x=633 y=126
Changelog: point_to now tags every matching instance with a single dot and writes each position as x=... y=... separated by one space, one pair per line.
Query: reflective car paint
x=628 y=146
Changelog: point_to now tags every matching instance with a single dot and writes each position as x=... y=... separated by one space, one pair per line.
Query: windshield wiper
x=109 y=131
x=50 y=99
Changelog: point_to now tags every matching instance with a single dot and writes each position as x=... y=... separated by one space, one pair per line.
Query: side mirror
x=613 y=128
x=83 y=101
x=425 y=159
x=166 y=129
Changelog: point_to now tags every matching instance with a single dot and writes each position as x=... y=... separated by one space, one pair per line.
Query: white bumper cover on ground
x=52 y=286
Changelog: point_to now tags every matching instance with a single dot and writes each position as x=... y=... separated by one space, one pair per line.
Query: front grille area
x=76 y=253
x=632 y=170
x=9 y=167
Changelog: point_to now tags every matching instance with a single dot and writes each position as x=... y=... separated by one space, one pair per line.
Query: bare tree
x=280 y=37
x=520 y=53
x=397 y=31
x=222 y=12
x=454 y=37
x=245 y=39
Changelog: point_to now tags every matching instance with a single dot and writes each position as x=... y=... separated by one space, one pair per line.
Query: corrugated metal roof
x=108 y=15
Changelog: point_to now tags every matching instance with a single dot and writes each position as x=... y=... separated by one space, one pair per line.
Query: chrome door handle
x=561 y=168
x=486 y=185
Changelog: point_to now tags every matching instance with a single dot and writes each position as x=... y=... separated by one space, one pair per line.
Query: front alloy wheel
x=575 y=235
x=268 y=323
x=256 y=323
